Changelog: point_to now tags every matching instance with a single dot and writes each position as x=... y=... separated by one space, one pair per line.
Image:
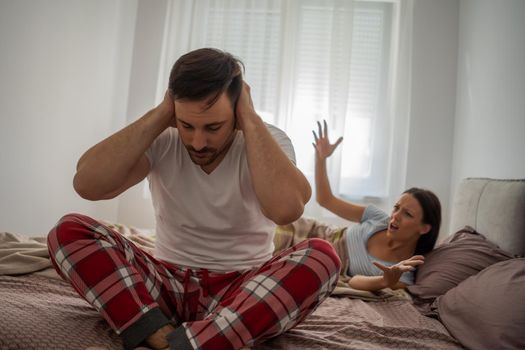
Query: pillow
x=493 y=207
x=462 y=255
x=487 y=311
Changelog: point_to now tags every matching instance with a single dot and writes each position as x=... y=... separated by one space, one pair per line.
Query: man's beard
x=208 y=155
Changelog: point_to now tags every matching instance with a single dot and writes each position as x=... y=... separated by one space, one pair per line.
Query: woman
x=383 y=251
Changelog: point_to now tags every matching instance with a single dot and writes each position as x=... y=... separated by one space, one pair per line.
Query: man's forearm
x=282 y=190
x=106 y=166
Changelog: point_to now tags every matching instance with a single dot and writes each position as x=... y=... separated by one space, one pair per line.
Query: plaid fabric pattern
x=306 y=228
x=211 y=310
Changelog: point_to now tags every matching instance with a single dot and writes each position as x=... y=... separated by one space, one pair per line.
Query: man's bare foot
x=158 y=340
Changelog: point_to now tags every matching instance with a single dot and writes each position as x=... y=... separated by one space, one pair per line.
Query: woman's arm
x=324 y=195
x=372 y=283
x=390 y=278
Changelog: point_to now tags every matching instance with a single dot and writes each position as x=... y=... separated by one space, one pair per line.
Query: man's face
x=206 y=133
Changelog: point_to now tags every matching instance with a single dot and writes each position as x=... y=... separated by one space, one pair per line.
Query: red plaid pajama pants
x=137 y=294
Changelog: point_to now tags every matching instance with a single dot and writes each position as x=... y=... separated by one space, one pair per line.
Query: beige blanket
x=21 y=254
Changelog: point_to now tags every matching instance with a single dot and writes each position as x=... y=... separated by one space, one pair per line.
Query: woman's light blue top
x=374 y=220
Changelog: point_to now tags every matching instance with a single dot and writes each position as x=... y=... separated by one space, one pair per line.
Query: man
x=220 y=180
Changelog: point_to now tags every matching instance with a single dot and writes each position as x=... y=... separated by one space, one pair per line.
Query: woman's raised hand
x=322 y=145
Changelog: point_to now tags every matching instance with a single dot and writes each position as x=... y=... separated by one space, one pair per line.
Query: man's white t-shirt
x=211 y=221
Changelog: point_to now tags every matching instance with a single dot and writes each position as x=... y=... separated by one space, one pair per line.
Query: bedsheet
x=40 y=311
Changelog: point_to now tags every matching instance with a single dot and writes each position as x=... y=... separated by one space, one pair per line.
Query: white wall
x=134 y=208
x=490 y=116
x=433 y=98
x=64 y=72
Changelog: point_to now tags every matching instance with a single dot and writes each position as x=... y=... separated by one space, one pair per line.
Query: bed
x=477 y=272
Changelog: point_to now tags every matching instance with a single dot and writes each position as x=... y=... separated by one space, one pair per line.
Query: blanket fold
x=20 y=254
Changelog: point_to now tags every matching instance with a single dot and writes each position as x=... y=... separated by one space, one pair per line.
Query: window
x=307 y=61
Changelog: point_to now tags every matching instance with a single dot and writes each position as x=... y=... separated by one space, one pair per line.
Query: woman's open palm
x=393 y=273
x=322 y=145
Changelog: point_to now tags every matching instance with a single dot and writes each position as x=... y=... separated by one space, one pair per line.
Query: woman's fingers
x=315 y=136
x=322 y=143
x=412 y=262
x=380 y=266
x=417 y=257
x=339 y=140
x=402 y=266
x=405 y=268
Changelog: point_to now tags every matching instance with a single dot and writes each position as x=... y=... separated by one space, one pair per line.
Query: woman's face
x=406 y=220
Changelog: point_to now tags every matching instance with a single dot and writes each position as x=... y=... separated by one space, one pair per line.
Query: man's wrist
x=163 y=116
x=250 y=121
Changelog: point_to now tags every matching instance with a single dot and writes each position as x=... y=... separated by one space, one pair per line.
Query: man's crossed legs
x=151 y=302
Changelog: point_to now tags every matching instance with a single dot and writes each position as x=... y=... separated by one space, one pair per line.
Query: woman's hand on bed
x=392 y=274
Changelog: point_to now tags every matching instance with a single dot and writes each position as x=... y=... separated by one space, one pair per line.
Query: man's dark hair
x=431 y=215
x=205 y=74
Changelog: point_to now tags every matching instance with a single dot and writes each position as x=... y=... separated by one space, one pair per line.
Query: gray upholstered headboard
x=494 y=208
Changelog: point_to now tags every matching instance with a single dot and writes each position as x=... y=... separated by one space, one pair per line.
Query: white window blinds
x=306 y=61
